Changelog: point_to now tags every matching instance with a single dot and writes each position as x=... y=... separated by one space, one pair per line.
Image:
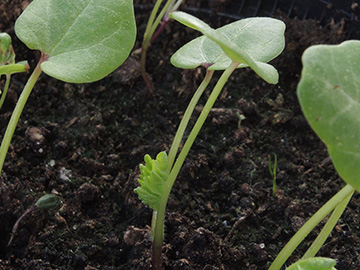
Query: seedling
x=272 y=170
x=150 y=35
x=245 y=43
x=80 y=42
x=46 y=202
x=329 y=95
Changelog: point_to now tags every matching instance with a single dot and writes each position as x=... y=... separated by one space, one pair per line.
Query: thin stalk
x=17 y=112
x=164 y=21
x=329 y=226
x=4 y=92
x=162 y=15
x=185 y=120
x=159 y=224
x=149 y=31
x=310 y=225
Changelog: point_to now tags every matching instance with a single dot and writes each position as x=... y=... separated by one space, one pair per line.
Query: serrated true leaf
x=152 y=179
x=85 y=40
x=251 y=42
x=329 y=94
x=316 y=263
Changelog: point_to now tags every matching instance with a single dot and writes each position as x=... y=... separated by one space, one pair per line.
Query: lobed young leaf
x=84 y=40
x=316 y=263
x=251 y=42
x=152 y=179
x=329 y=95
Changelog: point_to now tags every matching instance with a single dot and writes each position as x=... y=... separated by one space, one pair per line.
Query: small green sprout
x=46 y=202
x=241 y=117
x=245 y=43
x=272 y=170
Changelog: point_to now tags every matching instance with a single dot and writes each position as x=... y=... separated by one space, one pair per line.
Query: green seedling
x=81 y=41
x=7 y=63
x=329 y=96
x=153 y=30
x=245 y=43
x=46 y=202
x=272 y=170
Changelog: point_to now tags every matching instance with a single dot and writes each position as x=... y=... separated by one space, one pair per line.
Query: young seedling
x=245 y=43
x=46 y=202
x=329 y=96
x=80 y=41
x=272 y=170
x=150 y=35
x=7 y=63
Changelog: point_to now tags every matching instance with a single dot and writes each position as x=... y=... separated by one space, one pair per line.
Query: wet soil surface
x=84 y=143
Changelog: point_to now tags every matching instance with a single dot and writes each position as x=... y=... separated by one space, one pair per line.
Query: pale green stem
x=185 y=120
x=309 y=226
x=159 y=224
x=176 y=5
x=17 y=112
x=325 y=232
x=4 y=92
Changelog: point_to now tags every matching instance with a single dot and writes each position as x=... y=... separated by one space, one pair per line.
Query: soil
x=84 y=143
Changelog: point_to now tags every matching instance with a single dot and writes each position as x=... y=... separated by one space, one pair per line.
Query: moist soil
x=85 y=142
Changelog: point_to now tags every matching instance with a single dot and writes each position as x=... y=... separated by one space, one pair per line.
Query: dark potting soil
x=84 y=143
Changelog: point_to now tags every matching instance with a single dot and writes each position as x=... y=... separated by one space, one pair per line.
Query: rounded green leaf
x=316 y=263
x=329 y=94
x=84 y=40
x=251 y=42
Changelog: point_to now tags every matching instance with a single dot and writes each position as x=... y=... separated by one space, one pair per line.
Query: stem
x=17 y=223
x=185 y=120
x=163 y=15
x=17 y=112
x=310 y=225
x=149 y=31
x=159 y=224
x=325 y=232
x=6 y=87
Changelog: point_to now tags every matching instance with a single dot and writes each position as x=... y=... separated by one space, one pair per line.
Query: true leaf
x=316 y=263
x=152 y=179
x=251 y=42
x=84 y=40
x=329 y=94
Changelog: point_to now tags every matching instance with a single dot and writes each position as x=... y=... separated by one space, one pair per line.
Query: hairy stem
x=17 y=112
x=159 y=224
x=310 y=225
x=185 y=120
x=326 y=230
